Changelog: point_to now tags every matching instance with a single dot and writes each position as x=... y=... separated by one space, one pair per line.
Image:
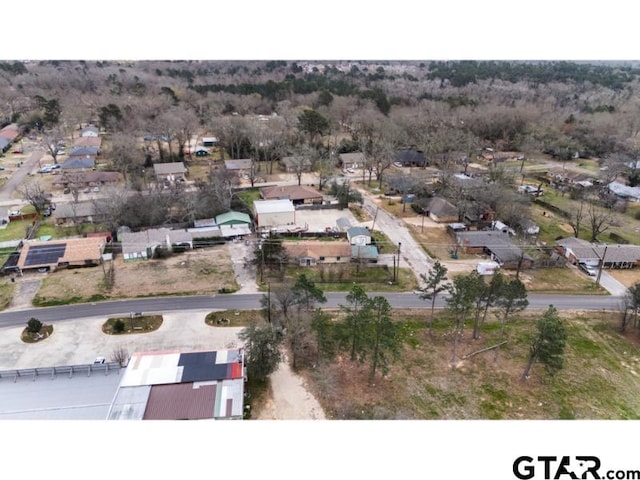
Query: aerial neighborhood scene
x=339 y=240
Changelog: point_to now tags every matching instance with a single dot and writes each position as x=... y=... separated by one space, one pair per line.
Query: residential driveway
x=241 y=256
x=411 y=253
x=613 y=286
x=26 y=289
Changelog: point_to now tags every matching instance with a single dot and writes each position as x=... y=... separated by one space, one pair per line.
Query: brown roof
x=317 y=249
x=78 y=250
x=86 y=177
x=292 y=192
x=181 y=401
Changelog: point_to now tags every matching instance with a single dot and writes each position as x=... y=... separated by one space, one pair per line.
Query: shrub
x=34 y=325
x=118 y=326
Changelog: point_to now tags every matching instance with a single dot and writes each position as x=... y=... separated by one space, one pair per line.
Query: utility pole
x=269 y=302
x=398 y=264
x=601 y=264
x=261 y=246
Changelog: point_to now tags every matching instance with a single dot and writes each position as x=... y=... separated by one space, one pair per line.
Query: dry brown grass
x=194 y=272
x=626 y=277
x=599 y=379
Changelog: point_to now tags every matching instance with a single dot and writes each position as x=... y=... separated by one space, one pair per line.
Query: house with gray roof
x=410 y=158
x=496 y=245
x=441 y=210
x=577 y=250
x=296 y=164
x=624 y=191
x=170 y=171
x=239 y=166
x=83 y=152
x=142 y=245
x=351 y=160
x=79 y=163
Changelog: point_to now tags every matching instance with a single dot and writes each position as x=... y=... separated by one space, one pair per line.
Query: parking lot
x=320 y=220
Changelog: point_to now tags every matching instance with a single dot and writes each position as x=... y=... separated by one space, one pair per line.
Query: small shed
x=359 y=236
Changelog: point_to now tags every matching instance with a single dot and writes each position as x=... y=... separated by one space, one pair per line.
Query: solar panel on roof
x=45 y=254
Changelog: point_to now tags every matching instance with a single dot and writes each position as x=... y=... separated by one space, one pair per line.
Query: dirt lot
x=195 y=272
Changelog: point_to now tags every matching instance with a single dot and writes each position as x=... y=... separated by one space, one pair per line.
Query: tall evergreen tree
x=434 y=283
x=549 y=343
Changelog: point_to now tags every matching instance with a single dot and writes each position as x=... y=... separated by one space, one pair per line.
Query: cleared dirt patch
x=194 y=272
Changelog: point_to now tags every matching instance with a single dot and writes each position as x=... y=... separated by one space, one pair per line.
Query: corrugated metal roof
x=232 y=217
x=181 y=401
x=193 y=385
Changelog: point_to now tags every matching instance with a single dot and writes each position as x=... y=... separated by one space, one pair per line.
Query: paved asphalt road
x=252 y=301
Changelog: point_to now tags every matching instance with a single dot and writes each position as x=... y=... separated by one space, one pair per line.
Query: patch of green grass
x=233 y=318
x=341 y=278
x=15 y=230
x=248 y=196
x=39 y=301
x=132 y=324
x=6 y=294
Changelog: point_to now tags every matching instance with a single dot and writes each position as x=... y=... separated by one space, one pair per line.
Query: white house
x=274 y=213
x=359 y=236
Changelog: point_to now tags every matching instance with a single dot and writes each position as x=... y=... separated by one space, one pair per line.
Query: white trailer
x=487 y=268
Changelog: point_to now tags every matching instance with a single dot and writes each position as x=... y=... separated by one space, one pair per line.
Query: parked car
x=351 y=170
x=397 y=164
x=588 y=269
x=96 y=189
x=87 y=190
x=99 y=360
x=66 y=190
x=14 y=213
x=47 y=212
x=1 y=167
x=56 y=166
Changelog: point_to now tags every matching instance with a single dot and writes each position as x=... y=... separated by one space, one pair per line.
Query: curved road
x=252 y=301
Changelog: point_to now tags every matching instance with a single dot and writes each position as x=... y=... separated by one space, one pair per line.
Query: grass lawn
x=14 y=231
x=248 y=196
x=565 y=280
x=341 y=278
x=6 y=294
x=132 y=324
x=553 y=226
x=599 y=379
x=233 y=318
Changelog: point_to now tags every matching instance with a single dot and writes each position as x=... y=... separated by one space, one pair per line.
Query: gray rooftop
x=58 y=397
